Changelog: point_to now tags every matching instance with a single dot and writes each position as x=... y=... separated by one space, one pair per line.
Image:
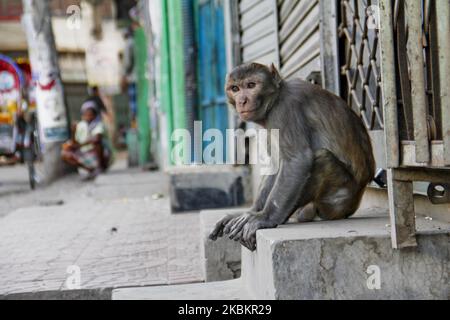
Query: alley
x=224 y=149
x=117 y=230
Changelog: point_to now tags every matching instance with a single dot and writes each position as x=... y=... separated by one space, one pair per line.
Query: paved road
x=117 y=230
x=15 y=190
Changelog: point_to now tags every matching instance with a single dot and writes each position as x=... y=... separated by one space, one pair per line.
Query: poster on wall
x=51 y=111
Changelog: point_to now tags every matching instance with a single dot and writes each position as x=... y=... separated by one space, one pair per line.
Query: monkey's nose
x=243 y=101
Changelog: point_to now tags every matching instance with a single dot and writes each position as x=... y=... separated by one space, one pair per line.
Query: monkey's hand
x=220 y=226
x=242 y=228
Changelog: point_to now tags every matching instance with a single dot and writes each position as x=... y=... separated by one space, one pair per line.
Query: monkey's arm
x=285 y=196
x=263 y=193
x=265 y=188
x=288 y=192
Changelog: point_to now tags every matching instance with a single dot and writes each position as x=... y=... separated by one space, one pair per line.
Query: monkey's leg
x=340 y=204
x=338 y=193
x=307 y=213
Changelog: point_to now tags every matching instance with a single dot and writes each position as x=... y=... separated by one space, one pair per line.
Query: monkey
x=325 y=152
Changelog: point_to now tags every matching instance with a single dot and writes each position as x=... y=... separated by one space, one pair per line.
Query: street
x=117 y=231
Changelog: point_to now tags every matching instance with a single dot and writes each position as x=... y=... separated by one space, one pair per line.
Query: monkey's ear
x=275 y=74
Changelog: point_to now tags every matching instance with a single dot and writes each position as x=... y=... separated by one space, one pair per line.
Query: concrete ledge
x=221 y=258
x=88 y=294
x=329 y=260
x=226 y=290
x=209 y=187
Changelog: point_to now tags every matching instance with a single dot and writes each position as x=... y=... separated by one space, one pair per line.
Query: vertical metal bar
x=401 y=201
x=143 y=112
x=433 y=69
x=389 y=84
x=419 y=99
x=276 y=25
x=401 y=211
x=329 y=46
x=406 y=125
x=232 y=33
x=165 y=81
x=176 y=43
x=443 y=16
x=232 y=30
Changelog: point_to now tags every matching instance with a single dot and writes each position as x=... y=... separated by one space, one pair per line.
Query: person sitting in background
x=94 y=96
x=87 y=149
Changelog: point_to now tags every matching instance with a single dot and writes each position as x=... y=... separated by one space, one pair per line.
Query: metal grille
x=360 y=63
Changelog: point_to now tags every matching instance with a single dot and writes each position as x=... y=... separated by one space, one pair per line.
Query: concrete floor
x=117 y=230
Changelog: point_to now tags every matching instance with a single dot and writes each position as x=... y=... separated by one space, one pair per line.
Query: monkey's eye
x=251 y=85
x=235 y=88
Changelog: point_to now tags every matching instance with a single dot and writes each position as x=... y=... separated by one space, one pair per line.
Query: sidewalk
x=117 y=230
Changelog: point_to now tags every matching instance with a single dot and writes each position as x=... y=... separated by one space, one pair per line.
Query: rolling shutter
x=299 y=37
x=259 y=36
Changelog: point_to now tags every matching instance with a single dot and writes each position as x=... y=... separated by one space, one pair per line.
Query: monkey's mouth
x=247 y=112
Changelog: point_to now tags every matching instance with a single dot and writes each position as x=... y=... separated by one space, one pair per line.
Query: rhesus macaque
x=326 y=158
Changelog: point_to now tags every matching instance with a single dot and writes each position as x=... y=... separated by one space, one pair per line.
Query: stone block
x=221 y=258
x=337 y=259
x=209 y=187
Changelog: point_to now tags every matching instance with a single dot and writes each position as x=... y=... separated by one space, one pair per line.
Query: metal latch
x=439 y=193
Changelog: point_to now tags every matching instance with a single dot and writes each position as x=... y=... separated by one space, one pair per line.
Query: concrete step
x=347 y=259
x=336 y=259
x=196 y=188
x=221 y=259
x=225 y=290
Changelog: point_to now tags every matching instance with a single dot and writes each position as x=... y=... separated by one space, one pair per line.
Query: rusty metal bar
x=419 y=99
x=404 y=81
x=433 y=75
x=422 y=174
x=401 y=205
x=389 y=84
x=443 y=16
x=277 y=47
x=329 y=46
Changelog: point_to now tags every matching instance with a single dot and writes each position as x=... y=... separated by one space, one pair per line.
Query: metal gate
x=360 y=64
x=394 y=73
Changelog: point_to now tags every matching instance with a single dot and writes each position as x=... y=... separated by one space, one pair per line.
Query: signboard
x=51 y=112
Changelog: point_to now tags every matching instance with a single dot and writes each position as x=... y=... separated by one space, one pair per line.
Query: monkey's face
x=249 y=88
